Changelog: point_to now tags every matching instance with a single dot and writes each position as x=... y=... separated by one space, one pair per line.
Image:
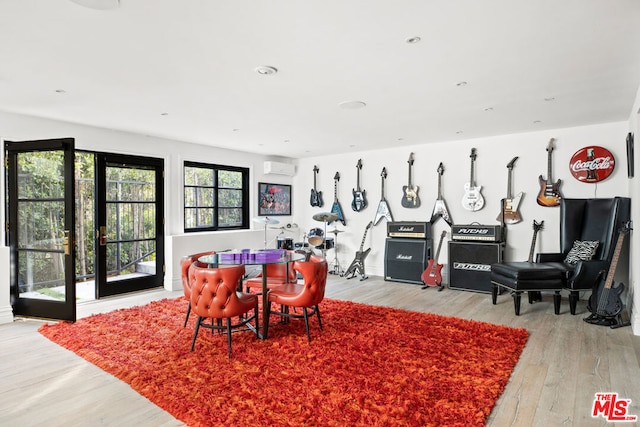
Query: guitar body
x=337 y=209
x=410 y=198
x=359 y=201
x=316 y=198
x=440 y=211
x=432 y=275
x=383 y=212
x=511 y=210
x=357 y=265
x=472 y=199
x=606 y=302
x=549 y=194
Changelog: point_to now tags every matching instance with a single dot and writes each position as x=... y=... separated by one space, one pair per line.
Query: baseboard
x=6 y=314
x=635 y=322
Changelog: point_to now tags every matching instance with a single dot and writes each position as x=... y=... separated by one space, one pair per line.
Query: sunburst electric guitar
x=336 y=208
x=383 y=207
x=549 y=194
x=410 y=198
x=440 y=207
x=511 y=214
x=472 y=199
x=432 y=275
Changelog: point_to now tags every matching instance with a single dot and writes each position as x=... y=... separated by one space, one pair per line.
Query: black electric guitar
x=410 y=198
x=357 y=265
x=383 y=207
x=511 y=214
x=440 y=208
x=336 y=208
x=432 y=275
x=472 y=199
x=316 y=196
x=605 y=302
x=549 y=194
x=359 y=201
x=537 y=226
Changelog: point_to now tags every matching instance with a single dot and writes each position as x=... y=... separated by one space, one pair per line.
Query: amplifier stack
x=472 y=250
x=408 y=247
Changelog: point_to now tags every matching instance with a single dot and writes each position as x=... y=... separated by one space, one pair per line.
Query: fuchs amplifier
x=409 y=229
x=477 y=233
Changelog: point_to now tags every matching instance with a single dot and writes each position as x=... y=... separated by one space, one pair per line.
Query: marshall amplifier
x=470 y=265
x=477 y=233
x=406 y=259
x=409 y=230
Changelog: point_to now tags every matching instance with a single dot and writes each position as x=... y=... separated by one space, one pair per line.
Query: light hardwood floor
x=566 y=361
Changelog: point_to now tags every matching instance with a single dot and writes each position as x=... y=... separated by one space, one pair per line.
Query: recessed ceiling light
x=413 y=40
x=549 y=99
x=61 y=91
x=462 y=83
x=235 y=130
x=352 y=105
x=400 y=139
x=488 y=109
x=98 y=4
x=266 y=70
x=535 y=122
x=164 y=114
x=459 y=132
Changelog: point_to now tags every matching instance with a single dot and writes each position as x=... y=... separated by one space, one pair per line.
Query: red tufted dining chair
x=276 y=276
x=214 y=296
x=185 y=263
x=306 y=295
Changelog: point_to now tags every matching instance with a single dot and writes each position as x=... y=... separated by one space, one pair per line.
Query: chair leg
x=318 y=313
x=556 y=302
x=195 y=332
x=516 y=302
x=494 y=294
x=257 y=321
x=574 y=296
x=306 y=322
x=229 y=336
x=266 y=321
x=186 y=319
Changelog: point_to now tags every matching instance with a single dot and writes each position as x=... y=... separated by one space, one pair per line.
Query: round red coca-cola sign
x=592 y=164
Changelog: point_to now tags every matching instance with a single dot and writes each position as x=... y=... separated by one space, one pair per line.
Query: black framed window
x=216 y=197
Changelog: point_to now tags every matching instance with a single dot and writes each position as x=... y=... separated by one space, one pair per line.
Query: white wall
x=634 y=187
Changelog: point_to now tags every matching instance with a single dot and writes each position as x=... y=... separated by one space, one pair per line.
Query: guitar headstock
x=315 y=168
x=337 y=176
x=550 y=145
x=473 y=154
x=626 y=227
x=383 y=174
x=369 y=225
x=537 y=226
x=512 y=162
x=410 y=161
x=359 y=164
x=440 y=168
x=443 y=234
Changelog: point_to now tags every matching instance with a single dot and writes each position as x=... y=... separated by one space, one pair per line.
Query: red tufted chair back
x=214 y=295
x=185 y=263
x=314 y=281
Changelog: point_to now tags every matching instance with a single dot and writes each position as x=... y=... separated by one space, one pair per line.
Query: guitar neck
x=364 y=236
x=549 y=178
x=533 y=246
x=614 y=262
x=439 y=186
x=509 y=191
x=439 y=247
x=335 y=192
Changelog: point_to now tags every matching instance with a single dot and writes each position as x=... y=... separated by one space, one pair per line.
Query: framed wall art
x=274 y=199
x=630 y=161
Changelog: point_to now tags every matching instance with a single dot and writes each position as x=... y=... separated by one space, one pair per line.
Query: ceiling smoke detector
x=266 y=70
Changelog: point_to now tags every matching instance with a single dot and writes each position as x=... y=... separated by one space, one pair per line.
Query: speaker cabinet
x=470 y=265
x=406 y=259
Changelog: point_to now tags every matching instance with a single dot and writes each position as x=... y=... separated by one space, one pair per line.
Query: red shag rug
x=370 y=366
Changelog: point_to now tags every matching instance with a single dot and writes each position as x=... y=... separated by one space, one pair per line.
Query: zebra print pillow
x=581 y=251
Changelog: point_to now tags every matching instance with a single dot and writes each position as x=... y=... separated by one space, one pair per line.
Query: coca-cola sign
x=592 y=164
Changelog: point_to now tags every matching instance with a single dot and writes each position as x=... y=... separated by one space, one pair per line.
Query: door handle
x=102 y=236
x=66 y=245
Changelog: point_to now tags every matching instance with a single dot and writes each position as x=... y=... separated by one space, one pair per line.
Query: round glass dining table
x=254 y=258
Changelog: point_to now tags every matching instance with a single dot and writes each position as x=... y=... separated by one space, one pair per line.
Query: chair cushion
x=582 y=251
x=526 y=271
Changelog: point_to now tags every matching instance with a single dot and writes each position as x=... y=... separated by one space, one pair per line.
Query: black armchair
x=587 y=220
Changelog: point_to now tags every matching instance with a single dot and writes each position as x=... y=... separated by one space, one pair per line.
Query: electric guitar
x=359 y=196
x=410 y=198
x=357 y=265
x=603 y=303
x=440 y=208
x=537 y=226
x=316 y=196
x=432 y=275
x=336 y=208
x=549 y=194
x=383 y=207
x=472 y=199
x=511 y=203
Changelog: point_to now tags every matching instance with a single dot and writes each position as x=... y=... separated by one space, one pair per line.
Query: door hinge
x=7 y=226
x=164 y=268
x=6 y=162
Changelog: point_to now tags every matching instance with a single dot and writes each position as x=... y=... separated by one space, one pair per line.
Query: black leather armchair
x=587 y=220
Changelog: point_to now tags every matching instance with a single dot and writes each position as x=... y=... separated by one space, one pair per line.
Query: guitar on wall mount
x=357 y=265
x=383 y=207
x=549 y=194
x=316 y=196
x=604 y=303
x=336 y=208
x=359 y=201
x=432 y=275
x=472 y=199
x=440 y=208
x=410 y=198
x=511 y=203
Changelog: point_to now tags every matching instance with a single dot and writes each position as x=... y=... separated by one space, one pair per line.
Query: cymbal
x=325 y=217
x=265 y=220
x=336 y=231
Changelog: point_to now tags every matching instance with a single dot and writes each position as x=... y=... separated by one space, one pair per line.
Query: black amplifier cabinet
x=406 y=259
x=470 y=265
x=409 y=230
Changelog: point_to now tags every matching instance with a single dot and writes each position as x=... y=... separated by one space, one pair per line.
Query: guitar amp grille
x=406 y=259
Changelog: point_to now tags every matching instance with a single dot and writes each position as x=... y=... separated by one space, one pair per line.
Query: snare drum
x=285 y=243
x=328 y=243
x=316 y=236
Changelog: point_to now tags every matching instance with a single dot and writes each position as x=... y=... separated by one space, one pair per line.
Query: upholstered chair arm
x=550 y=257
x=586 y=272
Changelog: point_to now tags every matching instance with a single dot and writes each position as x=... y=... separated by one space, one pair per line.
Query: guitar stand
x=615 y=322
x=440 y=287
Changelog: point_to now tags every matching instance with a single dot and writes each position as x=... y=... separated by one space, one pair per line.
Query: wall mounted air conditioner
x=277 y=168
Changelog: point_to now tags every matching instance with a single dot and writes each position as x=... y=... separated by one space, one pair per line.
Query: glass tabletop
x=258 y=257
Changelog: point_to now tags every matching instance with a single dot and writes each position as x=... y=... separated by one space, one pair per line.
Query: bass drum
x=316 y=236
x=285 y=243
x=329 y=243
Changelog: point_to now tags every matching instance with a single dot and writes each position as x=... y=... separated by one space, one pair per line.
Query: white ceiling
x=185 y=69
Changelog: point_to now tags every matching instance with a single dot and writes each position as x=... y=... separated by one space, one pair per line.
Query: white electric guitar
x=472 y=199
x=440 y=207
x=383 y=207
